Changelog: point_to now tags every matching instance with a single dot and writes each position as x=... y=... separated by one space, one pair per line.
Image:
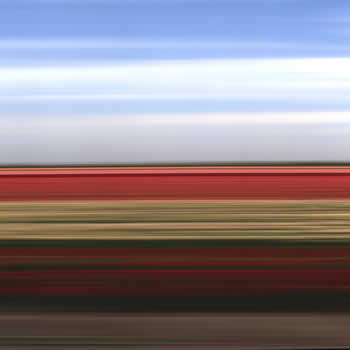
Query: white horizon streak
x=97 y=122
x=175 y=138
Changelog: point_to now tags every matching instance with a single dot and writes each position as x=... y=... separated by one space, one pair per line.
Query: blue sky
x=171 y=29
x=104 y=70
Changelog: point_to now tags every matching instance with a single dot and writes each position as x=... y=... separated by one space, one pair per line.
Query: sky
x=148 y=81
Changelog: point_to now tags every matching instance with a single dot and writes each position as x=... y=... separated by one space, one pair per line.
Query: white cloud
x=317 y=79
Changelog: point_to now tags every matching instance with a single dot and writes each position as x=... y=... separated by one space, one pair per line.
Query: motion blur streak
x=102 y=244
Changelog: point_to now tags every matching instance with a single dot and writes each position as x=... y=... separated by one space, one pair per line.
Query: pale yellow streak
x=190 y=219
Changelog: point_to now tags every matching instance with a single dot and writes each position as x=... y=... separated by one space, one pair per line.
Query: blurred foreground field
x=178 y=255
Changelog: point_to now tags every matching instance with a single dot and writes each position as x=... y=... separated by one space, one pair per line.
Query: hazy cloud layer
x=176 y=138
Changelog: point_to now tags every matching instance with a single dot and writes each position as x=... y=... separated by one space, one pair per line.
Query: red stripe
x=249 y=183
x=180 y=282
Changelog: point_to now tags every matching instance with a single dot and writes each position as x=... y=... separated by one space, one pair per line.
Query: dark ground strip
x=297 y=302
